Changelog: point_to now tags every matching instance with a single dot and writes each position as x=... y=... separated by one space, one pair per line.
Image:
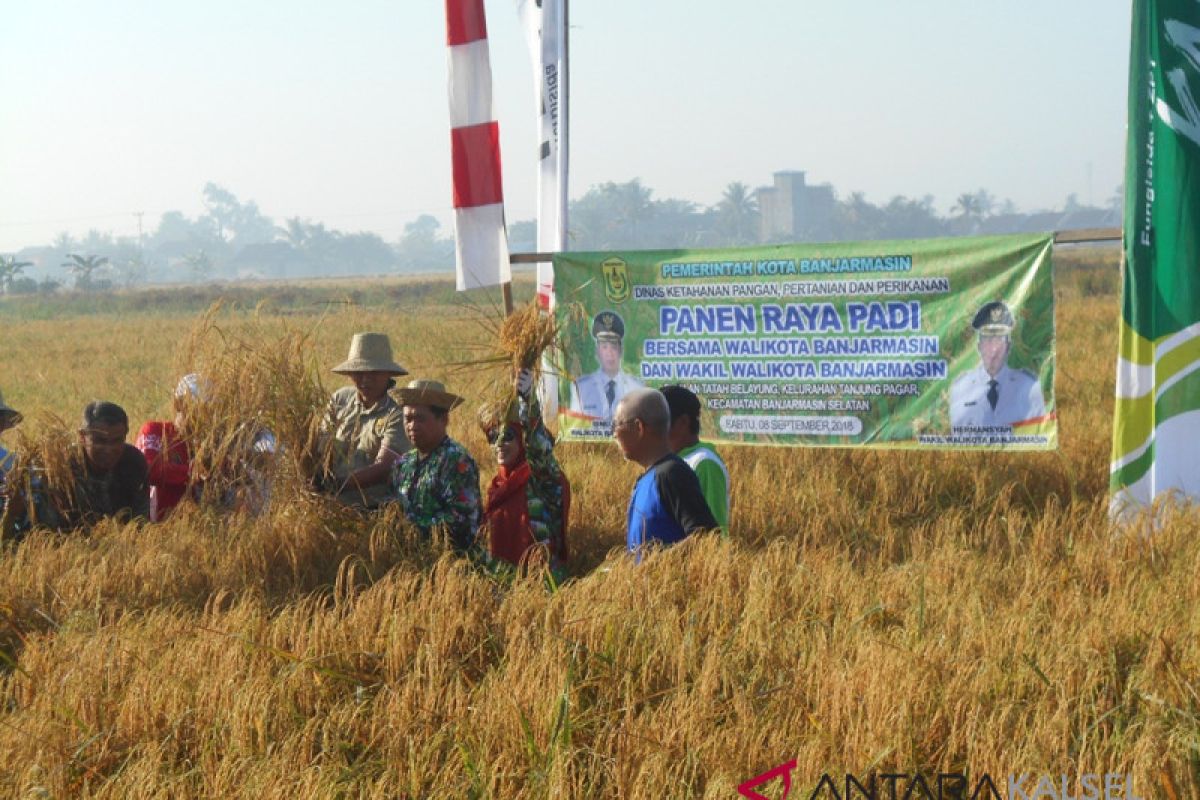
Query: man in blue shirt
x=667 y=502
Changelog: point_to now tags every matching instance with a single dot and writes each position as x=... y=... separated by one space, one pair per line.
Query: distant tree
x=96 y=241
x=672 y=223
x=612 y=215
x=236 y=222
x=522 y=236
x=906 y=218
x=966 y=205
x=174 y=227
x=294 y=232
x=23 y=286
x=200 y=265
x=10 y=271
x=132 y=271
x=985 y=202
x=632 y=206
x=737 y=213
x=972 y=207
x=364 y=253
x=85 y=270
x=1117 y=201
x=61 y=245
x=857 y=218
x=421 y=248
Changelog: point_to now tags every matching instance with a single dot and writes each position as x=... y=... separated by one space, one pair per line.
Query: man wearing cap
x=437 y=482
x=364 y=431
x=702 y=457
x=994 y=394
x=597 y=393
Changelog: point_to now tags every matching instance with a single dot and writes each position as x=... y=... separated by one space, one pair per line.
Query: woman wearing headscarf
x=164 y=443
x=528 y=502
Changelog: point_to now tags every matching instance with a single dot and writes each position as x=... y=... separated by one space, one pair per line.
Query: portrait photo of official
x=597 y=393
x=994 y=394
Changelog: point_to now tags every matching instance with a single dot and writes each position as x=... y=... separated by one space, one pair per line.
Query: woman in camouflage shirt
x=529 y=499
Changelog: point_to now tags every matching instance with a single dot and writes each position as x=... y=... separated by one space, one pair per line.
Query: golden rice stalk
x=260 y=382
x=521 y=339
x=48 y=457
x=528 y=332
x=525 y=334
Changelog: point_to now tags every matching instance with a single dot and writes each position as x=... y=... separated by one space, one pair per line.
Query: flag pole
x=564 y=104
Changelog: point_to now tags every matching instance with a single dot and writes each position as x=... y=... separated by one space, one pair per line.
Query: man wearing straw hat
x=994 y=394
x=365 y=428
x=437 y=482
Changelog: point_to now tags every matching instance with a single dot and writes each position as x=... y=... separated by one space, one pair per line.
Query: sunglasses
x=101 y=440
x=502 y=436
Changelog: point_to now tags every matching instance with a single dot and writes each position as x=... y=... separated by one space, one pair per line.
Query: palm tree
x=84 y=269
x=967 y=205
x=738 y=211
x=632 y=206
x=10 y=268
x=972 y=207
x=296 y=233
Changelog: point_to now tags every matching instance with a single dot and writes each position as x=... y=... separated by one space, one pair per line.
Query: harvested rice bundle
x=256 y=390
x=525 y=334
x=48 y=458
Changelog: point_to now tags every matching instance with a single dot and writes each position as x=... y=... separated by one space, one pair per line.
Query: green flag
x=1156 y=429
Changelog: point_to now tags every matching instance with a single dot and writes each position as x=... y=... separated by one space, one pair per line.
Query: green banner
x=1156 y=427
x=944 y=343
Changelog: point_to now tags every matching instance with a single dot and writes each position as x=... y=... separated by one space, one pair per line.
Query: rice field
x=872 y=611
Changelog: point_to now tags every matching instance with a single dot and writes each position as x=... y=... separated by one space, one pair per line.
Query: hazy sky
x=338 y=112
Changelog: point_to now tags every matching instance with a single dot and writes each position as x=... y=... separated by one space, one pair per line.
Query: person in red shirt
x=164 y=444
x=529 y=500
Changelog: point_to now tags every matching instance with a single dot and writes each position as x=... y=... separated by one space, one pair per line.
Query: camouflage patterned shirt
x=440 y=490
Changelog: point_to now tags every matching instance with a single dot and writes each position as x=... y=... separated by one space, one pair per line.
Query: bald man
x=667 y=502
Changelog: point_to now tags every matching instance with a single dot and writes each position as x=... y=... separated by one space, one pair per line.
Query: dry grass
x=871 y=610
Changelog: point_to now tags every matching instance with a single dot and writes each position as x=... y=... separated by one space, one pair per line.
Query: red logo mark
x=783 y=770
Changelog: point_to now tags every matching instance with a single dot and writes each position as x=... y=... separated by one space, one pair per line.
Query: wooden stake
x=506 y=290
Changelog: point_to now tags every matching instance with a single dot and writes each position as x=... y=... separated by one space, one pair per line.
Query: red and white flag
x=480 y=240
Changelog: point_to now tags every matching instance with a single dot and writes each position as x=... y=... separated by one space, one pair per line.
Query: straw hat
x=427 y=393
x=370 y=352
x=8 y=414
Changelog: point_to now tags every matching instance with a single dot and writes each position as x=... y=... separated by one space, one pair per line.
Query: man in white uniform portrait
x=597 y=393
x=994 y=394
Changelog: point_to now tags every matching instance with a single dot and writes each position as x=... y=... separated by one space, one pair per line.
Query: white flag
x=544 y=22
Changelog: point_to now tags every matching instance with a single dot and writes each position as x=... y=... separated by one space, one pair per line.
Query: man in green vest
x=702 y=457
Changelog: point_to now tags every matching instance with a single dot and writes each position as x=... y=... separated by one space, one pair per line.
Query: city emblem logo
x=616 y=279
